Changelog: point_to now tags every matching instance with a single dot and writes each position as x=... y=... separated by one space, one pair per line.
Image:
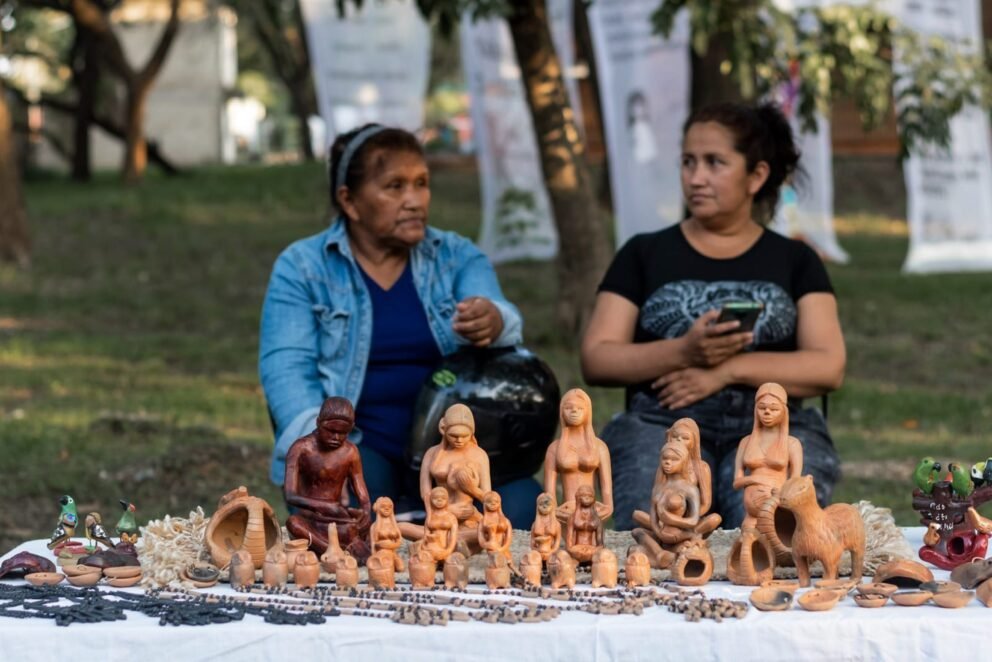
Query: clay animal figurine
x=346 y=572
x=545 y=533
x=385 y=531
x=604 y=568
x=242 y=569
x=306 y=572
x=423 y=569
x=333 y=554
x=961 y=483
x=531 y=565
x=637 y=569
x=981 y=473
x=932 y=536
x=275 y=571
x=456 y=571
x=317 y=468
x=561 y=568
x=822 y=535
x=495 y=531
x=578 y=458
x=927 y=473
x=127 y=525
x=584 y=533
x=497 y=571
x=382 y=574
x=95 y=533
x=66 y=526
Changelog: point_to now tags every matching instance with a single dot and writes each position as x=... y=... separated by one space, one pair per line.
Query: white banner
x=644 y=89
x=950 y=191
x=516 y=213
x=371 y=66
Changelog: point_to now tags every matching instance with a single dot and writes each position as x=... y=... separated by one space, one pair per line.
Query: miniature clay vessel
x=637 y=569
x=78 y=569
x=275 y=570
x=970 y=575
x=693 y=564
x=751 y=560
x=329 y=559
x=953 y=599
x=122 y=572
x=584 y=532
x=294 y=548
x=984 y=592
x=604 y=568
x=85 y=578
x=941 y=586
x=385 y=531
x=306 y=572
x=124 y=582
x=788 y=585
x=819 y=600
x=495 y=532
x=24 y=563
x=44 y=578
x=876 y=588
x=578 y=458
x=497 y=571
x=870 y=600
x=769 y=598
x=423 y=569
x=845 y=586
x=822 y=534
x=346 y=572
x=241 y=522
x=910 y=598
x=545 y=533
x=531 y=565
x=242 y=569
x=382 y=574
x=561 y=568
x=456 y=571
x=201 y=574
x=904 y=573
x=318 y=468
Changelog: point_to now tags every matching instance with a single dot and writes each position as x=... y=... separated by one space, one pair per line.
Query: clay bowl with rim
x=819 y=599
x=123 y=572
x=44 y=578
x=845 y=586
x=876 y=588
x=941 y=586
x=78 y=570
x=870 y=600
x=85 y=579
x=911 y=598
x=769 y=598
x=788 y=585
x=953 y=599
x=124 y=582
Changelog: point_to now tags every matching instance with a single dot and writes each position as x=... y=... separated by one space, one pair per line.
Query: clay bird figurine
x=981 y=473
x=95 y=531
x=961 y=483
x=65 y=529
x=932 y=535
x=977 y=522
x=127 y=526
x=926 y=474
x=68 y=508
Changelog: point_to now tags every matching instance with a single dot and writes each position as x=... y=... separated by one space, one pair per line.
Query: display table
x=847 y=632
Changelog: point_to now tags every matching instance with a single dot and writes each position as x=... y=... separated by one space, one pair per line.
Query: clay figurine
x=66 y=526
x=927 y=474
x=946 y=508
x=497 y=571
x=822 y=535
x=531 y=565
x=561 y=568
x=385 y=531
x=584 y=533
x=381 y=570
x=242 y=569
x=578 y=458
x=317 y=468
x=694 y=564
x=294 y=548
x=751 y=561
x=346 y=572
x=423 y=570
x=495 y=530
x=440 y=529
x=604 y=568
x=242 y=522
x=333 y=554
x=461 y=467
x=545 y=533
x=275 y=571
x=95 y=533
x=637 y=568
x=127 y=525
x=306 y=572
x=456 y=571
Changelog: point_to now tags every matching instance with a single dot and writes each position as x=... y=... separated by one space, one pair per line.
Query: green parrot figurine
x=127 y=526
x=68 y=508
x=66 y=527
x=926 y=474
x=961 y=483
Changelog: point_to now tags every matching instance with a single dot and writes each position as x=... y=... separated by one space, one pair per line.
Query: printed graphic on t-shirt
x=673 y=307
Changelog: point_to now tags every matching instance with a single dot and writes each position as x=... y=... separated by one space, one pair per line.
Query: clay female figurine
x=458 y=465
x=768 y=456
x=495 y=531
x=578 y=457
x=385 y=532
x=545 y=533
x=584 y=533
x=440 y=530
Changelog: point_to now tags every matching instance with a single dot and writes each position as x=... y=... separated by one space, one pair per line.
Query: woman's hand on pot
x=478 y=320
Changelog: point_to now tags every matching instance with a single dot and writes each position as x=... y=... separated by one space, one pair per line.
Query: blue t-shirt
x=403 y=353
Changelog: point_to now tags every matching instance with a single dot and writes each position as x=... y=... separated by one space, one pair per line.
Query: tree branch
x=157 y=59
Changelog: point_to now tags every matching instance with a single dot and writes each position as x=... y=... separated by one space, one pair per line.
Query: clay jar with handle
x=293 y=550
x=242 y=569
x=275 y=571
x=306 y=572
x=604 y=568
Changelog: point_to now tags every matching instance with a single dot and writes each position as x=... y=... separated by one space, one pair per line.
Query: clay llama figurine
x=822 y=534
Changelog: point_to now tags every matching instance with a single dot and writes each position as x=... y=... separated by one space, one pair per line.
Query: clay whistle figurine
x=423 y=570
x=66 y=526
x=531 y=565
x=346 y=572
x=242 y=569
x=584 y=533
x=822 y=534
x=381 y=569
x=561 y=568
x=497 y=571
x=127 y=525
x=637 y=569
x=385 y=531
x=495 y=532
x=95 y=533
x=545 y=533
x=604 y=568
x=306 y=572
x=333 y=554
x=456 y=571
x=275 y=570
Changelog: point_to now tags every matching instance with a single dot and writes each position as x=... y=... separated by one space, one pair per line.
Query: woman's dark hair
x=362 y=165
x=761 y=133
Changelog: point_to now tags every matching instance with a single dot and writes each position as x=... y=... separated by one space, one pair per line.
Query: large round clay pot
x=751 y=560
x=242 y=522
x=777 y=525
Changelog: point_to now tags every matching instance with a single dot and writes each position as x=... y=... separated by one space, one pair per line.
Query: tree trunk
x=584 y=246
x=709 y=85
x=135 y=147
x=302 y=109
x=14 y=244
x=86 y=77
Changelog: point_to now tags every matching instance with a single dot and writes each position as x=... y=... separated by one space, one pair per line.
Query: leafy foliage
x=840 y=50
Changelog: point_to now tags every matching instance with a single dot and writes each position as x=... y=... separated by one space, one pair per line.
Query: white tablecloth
x=845 y=633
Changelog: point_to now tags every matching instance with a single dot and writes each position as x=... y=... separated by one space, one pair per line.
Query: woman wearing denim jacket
x=367 y=308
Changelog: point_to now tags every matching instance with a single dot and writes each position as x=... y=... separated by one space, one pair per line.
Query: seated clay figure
x=317 y=468
x=440 y=530
x=495 y=531
x=545 y=533
x=385 y=531
x=584 y=533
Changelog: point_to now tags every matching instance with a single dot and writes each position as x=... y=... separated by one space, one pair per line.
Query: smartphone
x=746 y=312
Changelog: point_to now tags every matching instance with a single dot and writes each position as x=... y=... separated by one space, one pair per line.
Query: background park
x=129 y=322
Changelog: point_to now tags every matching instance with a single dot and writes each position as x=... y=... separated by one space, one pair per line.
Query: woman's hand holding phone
x=709 y=342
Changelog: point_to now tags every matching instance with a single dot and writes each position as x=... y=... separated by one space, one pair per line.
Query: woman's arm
x=477 y=278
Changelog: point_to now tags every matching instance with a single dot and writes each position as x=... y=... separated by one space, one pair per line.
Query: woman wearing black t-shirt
x=654 y=327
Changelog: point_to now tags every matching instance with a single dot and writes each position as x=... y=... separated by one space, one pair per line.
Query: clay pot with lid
x=751 y=560
x=306 y=572
x=604 y=568
x=242 y=522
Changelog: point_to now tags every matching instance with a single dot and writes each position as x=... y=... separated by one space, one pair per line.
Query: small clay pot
x=306 y=572
x=382 y=573
x=423 y=570
x=561 y=567
x=242 y=570
x=85 y=579
x=604 y=569
x=530 y=567
x=953 y=599
x=77 y=570
x=771 y=599
x=275 y=570
x=790 y=586
x=346 y=572
x=123 y=572
x=456 y=571
x=911 y=598
x=819 y=599
x=498 y=577
x=293 y=549
x=984 y=592
x=44 y=578
x=904 y=573
x=941 y=586
x=124 y=582
x=870 y=600
x=876 y=588
x=637 y=569
x=201 y=574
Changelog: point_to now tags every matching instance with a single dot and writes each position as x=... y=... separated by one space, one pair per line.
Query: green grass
x=128 y=350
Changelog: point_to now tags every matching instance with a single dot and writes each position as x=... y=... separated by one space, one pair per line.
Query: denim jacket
x=316 y=324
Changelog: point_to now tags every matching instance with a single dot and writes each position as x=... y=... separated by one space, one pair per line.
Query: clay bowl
x=904 y=573
x=844 y=586
x=876 y=588
x=44 y=578
x=78 y=570
x=953 y=599
x=870 y=600
x=769 y=598
x=123 y=572
x=911 y=598
x=85 y=579
x=819 y=599
x=937 y=587
x=790 y=586
x=124 y=582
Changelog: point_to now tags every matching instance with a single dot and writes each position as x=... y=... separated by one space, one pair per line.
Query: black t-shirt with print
x=673 y=284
